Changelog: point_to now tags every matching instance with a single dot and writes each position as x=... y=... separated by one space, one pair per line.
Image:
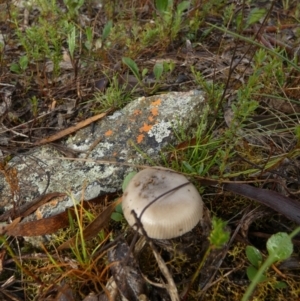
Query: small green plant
x=117 y=215
x=213 y=90
x=46 y=7
x=228 y=14
x=101 y=42
x=285 y=4
x=255 y=15
x=34 y=106
x=131 y=64
x=44 y=40
x=115 y=96
x=72 y=41
x=170 y=21
x=279 y=246
x=89 y=38
x=159 y=69
x=20 y=66
x=256 y=259
x=40 y=42
x=107 y=29
x=73 y=6
x=161 y=5
x=218 y=237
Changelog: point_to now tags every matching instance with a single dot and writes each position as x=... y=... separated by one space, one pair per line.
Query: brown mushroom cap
x=171 y=215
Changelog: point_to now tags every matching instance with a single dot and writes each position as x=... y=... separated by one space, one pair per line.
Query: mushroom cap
x=171 y=215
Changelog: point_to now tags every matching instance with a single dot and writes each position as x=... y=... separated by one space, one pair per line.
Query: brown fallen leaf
x=278 y=202
x=29 y=207
x=72 y=129
x=40 y=227
x=289 y=207
x=5 y=229
x=50 y=224
x=57 y=292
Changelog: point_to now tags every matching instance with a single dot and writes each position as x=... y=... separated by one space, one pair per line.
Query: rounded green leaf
x=280 y=246
x=280 y=285
x=119 y=209
x=116 y=216
x=182 y=6
x=254 y=256
x=132 y=66
x=127 y=179
x=106 y=30
x=14 y=67
x=161 y=5
x=251 y=273
x=158 y=70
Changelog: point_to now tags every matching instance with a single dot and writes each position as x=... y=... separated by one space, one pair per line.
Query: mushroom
x=166 y=204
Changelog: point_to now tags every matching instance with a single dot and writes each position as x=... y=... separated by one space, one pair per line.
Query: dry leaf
x=40 y=227
x=71 y=129
x=29 y=207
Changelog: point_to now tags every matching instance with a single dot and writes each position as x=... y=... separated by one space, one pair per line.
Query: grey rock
x=133 y=136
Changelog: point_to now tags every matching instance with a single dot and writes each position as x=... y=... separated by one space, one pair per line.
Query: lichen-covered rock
x=132 y=136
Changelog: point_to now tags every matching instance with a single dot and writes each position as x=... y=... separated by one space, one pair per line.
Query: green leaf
x=254 y=256
x=128 y=179
x=132 y=66
x=280 y=246
x=158 y=70
x=23 y=62
x=255 y=15
x=116 y=216
x=144 y=72
x=119 y=208
x=182 y=6
x=188 y=166
x=72 y=41
x=297 y=132
x=14 y=67
x=251 y=273
x=161 y=5
x=106 y=30
x=200 y=168
x=280 y=285
x=89 y=38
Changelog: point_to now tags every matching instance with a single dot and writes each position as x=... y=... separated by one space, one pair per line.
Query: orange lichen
x=140 y=138
x=146 y=127
x=108 y=133
x=156 y=102
x=38 y=214
x=137 y=112
x=154 y=111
